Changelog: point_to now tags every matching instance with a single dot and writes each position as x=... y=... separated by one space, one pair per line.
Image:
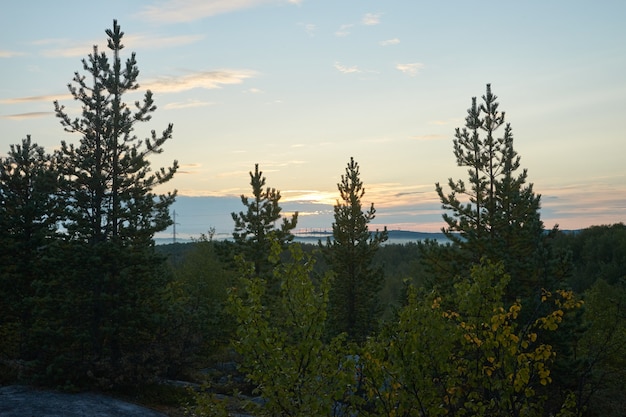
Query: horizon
x=313 y=236
x=198 y=215
x=310 y=236
x=300 y=86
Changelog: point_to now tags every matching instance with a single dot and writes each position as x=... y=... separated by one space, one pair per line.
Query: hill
x=312 y=237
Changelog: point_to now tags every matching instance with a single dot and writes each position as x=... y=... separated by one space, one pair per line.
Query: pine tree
x=354 y=305
x=496 y=214
x=256 y=227
x=112 y=214
x=29 y=212
x=110 y=179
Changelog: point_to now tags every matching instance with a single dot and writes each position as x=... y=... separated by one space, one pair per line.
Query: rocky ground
x=21 y=401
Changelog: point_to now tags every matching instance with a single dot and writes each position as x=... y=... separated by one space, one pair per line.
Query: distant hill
x=312 y=237
x=395 y=236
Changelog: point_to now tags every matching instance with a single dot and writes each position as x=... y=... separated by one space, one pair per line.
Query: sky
x=300 y=86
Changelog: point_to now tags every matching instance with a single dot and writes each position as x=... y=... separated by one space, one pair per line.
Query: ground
x=21 y=401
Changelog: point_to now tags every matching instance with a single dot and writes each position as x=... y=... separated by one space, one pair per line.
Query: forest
x=507 y=318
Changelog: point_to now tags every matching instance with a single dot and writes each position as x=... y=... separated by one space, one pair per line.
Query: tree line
x=508 y=318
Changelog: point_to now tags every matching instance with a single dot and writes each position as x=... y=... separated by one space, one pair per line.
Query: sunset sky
x=300 y=86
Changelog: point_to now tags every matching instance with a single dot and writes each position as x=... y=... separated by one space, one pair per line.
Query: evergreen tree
x=112 y=272
x=598 y=252
x=255 y=227
x=198 y=325
x=496 y=214
x=29 y=212
x=601 y=386
x=110 y=181
x=354 y=305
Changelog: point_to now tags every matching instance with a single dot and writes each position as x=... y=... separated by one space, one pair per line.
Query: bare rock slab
x=20 y=401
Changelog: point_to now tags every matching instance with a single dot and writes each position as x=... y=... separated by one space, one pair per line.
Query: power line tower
x=174 y=227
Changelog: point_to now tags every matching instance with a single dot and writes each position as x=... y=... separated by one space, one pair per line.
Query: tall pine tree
x=496 y=213
x=354 y=303
x=112 y=272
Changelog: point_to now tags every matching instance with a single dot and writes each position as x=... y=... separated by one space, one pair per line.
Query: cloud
x=397 y=196
x=253 y=90
x=146 y=41
x=276 y=165
x=382 y=139
x=346 y=70
x=409 y=193
x=309 y=213
x=449 y=122
x=10 y=54
x=202 y=79
x=186 y=104
x=410 y=69
x=240 y=173
x=343 y=30
x=31 y=115
x=151 y=41
x=50 y=98
x=49 y=41
x=388 y=42
x=69 y=51
x=167 y=84
x=309 y=28
x=193 y=168
x=371 y=19
x=428 y=137
x=179 y=11
x=309 y=196
x=191 y=165
x=571 y=208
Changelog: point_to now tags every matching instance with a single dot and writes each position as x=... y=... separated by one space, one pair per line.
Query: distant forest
x=597 y=253
x=497 y=316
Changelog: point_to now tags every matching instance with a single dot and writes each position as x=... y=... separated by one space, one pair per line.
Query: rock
x=21 y=401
